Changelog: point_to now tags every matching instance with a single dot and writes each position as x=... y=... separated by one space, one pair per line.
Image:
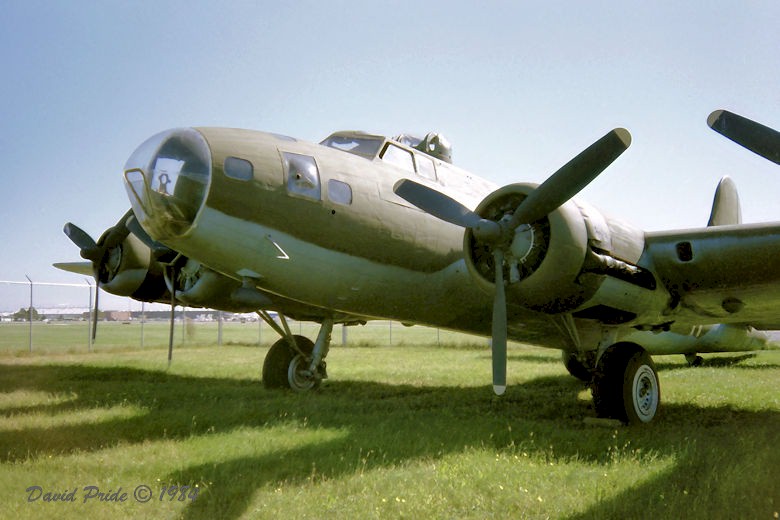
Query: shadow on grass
x=718 y=362
x=393 y=423
x=533 y=359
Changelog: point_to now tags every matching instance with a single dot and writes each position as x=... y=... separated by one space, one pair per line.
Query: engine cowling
x=546 y=258
x=129 y=269
x=199 y=286
x=574 y=260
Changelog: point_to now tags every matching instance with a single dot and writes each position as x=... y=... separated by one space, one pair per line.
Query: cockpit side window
x=303 y=176
x=398 y=157
x=363 y=146
x=425 y=167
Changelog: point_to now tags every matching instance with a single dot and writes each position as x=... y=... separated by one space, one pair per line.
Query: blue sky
x=517 y=87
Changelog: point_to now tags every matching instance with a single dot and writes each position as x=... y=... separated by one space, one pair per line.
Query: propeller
x=87 y=245
x=756 y=137
x=97 y=309
x=499 y=328
x=173 y=315
x=561 y=186
x=91 y=250
x=167 y=256
x=96 y=253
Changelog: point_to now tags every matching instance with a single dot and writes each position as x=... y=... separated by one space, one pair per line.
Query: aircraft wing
x=722 y=274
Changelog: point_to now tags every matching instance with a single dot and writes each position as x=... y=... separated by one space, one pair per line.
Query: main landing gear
x=624 y=382
x=625 y=385
x=295 y=362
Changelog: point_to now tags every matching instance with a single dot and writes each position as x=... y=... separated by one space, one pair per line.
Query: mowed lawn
x=408 y=430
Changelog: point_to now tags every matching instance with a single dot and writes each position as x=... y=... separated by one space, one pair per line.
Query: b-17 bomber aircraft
x=362 y=227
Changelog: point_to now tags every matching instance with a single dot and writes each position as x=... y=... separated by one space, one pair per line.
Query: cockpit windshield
x=363 y=145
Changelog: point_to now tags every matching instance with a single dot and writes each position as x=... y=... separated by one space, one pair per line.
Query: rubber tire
x=623 y=365
x=278 y=359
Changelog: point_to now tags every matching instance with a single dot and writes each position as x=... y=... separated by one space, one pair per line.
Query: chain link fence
x=57 y=318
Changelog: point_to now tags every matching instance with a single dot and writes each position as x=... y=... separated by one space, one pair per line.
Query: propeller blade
x=117 y=234
x=135 y=228
x=756 y=137
x=445 y=208
x=571 y=178
x=90 y=250
x=436 y=203
x=499 y=327
x=160 y=252
x=87 y=245
x=173 y=315
x=84 y=268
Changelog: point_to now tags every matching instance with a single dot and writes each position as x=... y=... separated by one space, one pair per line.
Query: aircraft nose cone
x=167 y=179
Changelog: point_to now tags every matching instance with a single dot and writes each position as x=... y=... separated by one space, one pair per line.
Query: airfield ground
x=403 y=430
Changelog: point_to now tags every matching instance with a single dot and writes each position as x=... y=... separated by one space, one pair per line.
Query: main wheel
x=627 y=386
x=283 y=366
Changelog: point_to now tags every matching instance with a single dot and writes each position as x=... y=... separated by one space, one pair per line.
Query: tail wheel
x=283 y=365
x=627 y=386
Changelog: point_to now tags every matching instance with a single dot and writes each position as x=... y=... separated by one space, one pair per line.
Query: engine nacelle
x=199 y=286
x=572 y=261
x=546 y=257
x=129 y=269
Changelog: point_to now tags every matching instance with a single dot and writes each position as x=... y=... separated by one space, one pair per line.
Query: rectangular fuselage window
x=303 y=177
x=339 y=192
x=240 y=169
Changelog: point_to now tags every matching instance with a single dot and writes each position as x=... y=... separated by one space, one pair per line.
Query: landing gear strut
x=694 y=360
x=295 y=362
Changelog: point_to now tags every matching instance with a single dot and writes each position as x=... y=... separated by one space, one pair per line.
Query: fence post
x=219 y=328
x=30 y=310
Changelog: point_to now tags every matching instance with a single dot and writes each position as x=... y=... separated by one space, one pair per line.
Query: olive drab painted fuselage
x=321 y=226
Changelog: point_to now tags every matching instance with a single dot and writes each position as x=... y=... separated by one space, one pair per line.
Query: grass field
x=404 y=431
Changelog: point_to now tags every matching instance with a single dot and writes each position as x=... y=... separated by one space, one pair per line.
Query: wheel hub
x=299 y=375
x=645 y=393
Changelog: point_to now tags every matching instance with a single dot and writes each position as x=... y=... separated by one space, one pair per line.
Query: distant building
x=117 y=316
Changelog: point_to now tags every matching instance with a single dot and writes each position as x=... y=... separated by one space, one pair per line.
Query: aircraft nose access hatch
x=167 y=179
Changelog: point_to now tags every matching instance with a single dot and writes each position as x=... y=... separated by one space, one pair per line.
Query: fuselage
x=317 y=224
x=321 y=226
